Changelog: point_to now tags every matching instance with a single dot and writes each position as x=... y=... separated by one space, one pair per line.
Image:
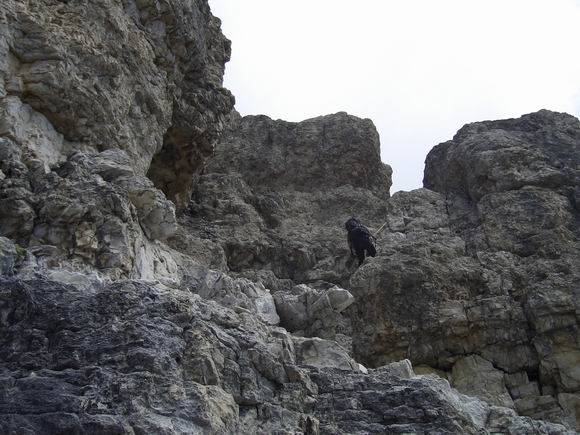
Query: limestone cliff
x=476 y=279
x=148 y=289
x=142 y=76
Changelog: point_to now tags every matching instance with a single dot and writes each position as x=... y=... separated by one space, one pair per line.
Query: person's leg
x=360 y=253
x=371 y=250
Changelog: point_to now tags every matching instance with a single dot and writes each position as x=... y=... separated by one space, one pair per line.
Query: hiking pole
x=374 y=236
x=380 y=229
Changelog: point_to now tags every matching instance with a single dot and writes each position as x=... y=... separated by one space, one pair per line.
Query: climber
x=360 y=239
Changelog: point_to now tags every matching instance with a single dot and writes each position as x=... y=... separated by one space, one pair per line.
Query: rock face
x=132 y=357
x=469 y=286
x=92 y=211
x=536 y=150
x=127 y=308
x=142 y=76
x=317 y=154
x=485 y=266
x=276 y=196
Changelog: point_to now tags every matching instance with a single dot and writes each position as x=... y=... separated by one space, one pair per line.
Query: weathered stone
x=289 y=222
x=82 y=281
x=69 y=87
x=521 y=234
x=340 y=299
x=8 y=256
x=156 y=214
x=402 y=369
x=383 y=402
x=538 y=149
x=430 y=371
x=91 y=220
x=236 y=293
x=316 y=313
x=122 y=312
x=519 y=385
x=111 y=164
x=322 y=353
x=16 y=213
x=543 y=408
x=350 y=143
x=476 y=376
x=570 y=403
x=486 y=262
x=363 y=369
x=292 y=310
x=501 y=420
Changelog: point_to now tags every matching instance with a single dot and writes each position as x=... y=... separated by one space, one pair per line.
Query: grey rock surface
x=276 y=195
x=385 y=402
x=142 y=76
x=316 y=154
x=90 y=213
x=132 y=357
x=305 y=311
x=484 y=265
x=477 y=376
x=8 y=256
x=536 y=150
x=127 y=308
x=318 y=352
x=458 y=275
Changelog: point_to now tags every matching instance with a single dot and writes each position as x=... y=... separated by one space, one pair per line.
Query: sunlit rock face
x=128 y=306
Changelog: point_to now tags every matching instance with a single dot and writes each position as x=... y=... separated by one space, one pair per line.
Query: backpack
x=354 y=223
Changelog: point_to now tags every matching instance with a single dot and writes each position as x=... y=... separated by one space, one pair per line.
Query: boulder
x=476 y=376
x=318 y=352
x=316 y=313
x=235 y=293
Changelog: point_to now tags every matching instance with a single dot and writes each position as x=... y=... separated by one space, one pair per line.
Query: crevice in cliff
x=173 y=168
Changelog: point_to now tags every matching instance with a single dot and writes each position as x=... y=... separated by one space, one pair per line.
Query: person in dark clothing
x=360 y=240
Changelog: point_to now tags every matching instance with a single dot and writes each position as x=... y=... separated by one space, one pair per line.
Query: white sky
x=420 y=69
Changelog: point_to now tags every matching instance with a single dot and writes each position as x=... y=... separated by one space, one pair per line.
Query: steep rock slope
x=180 y=348
x=276 y=195
x=142 y=76
x=119 y=315
x=480 y=288
x=479 y=276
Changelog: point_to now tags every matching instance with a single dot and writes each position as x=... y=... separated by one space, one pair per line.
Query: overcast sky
x=420 y=69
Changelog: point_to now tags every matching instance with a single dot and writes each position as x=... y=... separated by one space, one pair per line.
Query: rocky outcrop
x=317 y=154
x=276 y=195
x=537 y=150
x=126 y=308
x=459 y=277
x=134 y=357
x=309 y=312
x=91 y=212
x=391 y=400
x=482 y=268
x=141 y=76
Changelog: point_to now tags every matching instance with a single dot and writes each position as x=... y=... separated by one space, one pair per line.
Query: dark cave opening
x=174 y=167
